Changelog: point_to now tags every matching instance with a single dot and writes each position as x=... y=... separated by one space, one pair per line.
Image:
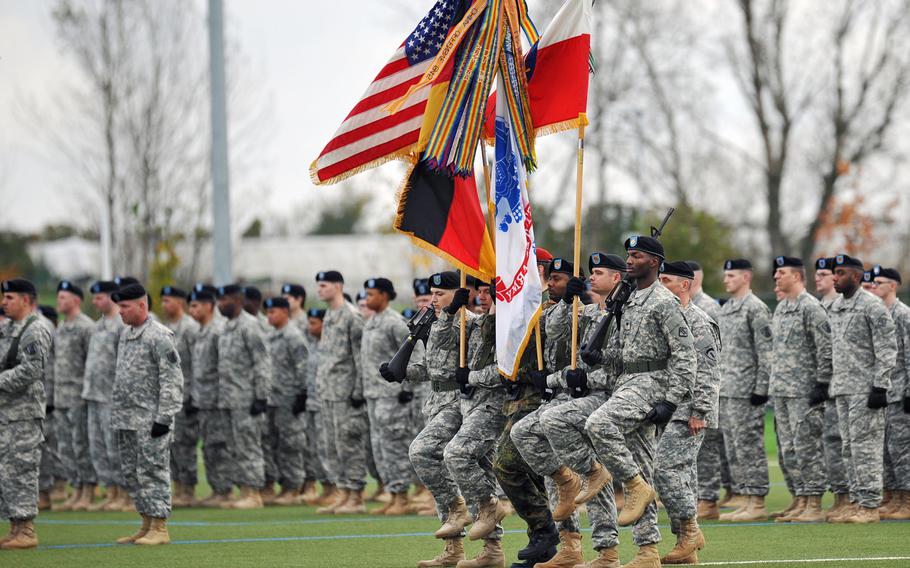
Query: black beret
x=448 y=280
x=125 y=280
x=791 y=261
x=693 y=264
x=104 y=287
x=381 y=284
x=867 y=276
x=679 y=268
x=890 y=273
x=19 y=286
x=315 y=313
x=421 y=286
x=347 y=298
x=824 y=263
x=561 y=266
x=649 y=245
x=277 y=302
x=846 y=260
x=49 y=312
x=202 y=296
x=295 y=290
x=737 y=264
x=202 y=287
x=603 y=260
x=68 y=286
x=229 y=290
x=252 y=293
x=329 y=276
x=129 y=292
x=173 y=292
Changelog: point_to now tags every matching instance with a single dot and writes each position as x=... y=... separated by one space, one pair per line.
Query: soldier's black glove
x=459 y=300
x=592 y=358
x=878 y=398
x=661 y=413
x=577 y=379
x=461 y=376
x=357 y=401
x=818 y=394
x=258 y=407
x=48 y=409
x=299 y=403
x=539 y=379
x=907 y=405
x=189 y=408
x=404 y=397
x=159 y=430
x=387 y=374
x=575 y=288
x=758 y=399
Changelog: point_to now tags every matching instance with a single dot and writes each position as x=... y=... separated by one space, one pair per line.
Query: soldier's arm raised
x=170 y=380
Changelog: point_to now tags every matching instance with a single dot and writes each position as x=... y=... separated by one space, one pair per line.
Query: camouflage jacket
x=185 y=331
x=864 y=344
x=600 y=377
x=708 y=305
x=706 y=390
x=148 y=386
x=481 y=360
x=71 y=342
x=244 y=368
x=828 y=302
x=339 y=376
x=383 y=334
x=900 y=377
x=289 y=353
x=745 y=362
x=204 y=387
x=312 y=367
x=101 y=362
x=22 y=387
x=802 y=347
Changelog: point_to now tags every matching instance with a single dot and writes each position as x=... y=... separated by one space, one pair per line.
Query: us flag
x=370 y=135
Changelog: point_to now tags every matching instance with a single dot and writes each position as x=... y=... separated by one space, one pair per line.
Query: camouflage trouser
x=781 y=458
x=834 y=451
x=103 y=443
x=215 y=430
x=531 y=440
x=372 y=469
x=744 y=438
x=268 y=449
x=713 y=466
x=51 y=469
x=73 y=445
x=624 y=444
x=426 y=454
x=862 y=430
x=245 y=443
x=390 y=436
x=897 y=448
x=183 y=451
x=345 y=431
x=20 y=458
x=799 y=428
x=284 y=442
x=314 y=455
x=564 y=426
x=675 y=472
x=469 y=455
x=145 y=462
x=524 y=488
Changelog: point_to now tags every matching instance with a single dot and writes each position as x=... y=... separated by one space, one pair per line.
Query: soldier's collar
x=136 y=332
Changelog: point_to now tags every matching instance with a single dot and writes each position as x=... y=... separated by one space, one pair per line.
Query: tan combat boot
x=754 y=511
x=44 y=501
x=288 y=496
x=146 y=524
x=646 y=557
x=689 y=540
x=457 y=519
x=794 y=503
x=489 y=514
x=812 y=513
x=398 y=505
x=887 y=495
x=491 y=555
x=24 y=538
x=845 y=511
x=730 y=514
x=117 y=500
x=900 y=509
x=329 y=495
x=58 y=493
x=67 y=504
x=85 y=498
x=128 y=505
x=157 y=534
x=13 y=529
x=606 y=558
x=731 y=500
x=861 y=516
x=595 y=481
x=308 y=493
x=353 y=505
x=796 y=509
x=568 y=485
x=840 y=501
x=383 y=508
x=110 y=495
x=708 y=510
x=341 y=497
x=380 y=495
x=451 y=555
x=267 y=494
x=569 y=554
x=179 y=497
x=638 y=496
x=216 y=499
x=249 y=499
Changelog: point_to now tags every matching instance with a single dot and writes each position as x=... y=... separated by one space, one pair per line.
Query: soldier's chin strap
x=12 y=355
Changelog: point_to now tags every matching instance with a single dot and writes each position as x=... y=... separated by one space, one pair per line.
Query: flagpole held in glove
x=577 y=252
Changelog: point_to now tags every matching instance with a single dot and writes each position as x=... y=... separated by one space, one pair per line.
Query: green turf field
x=296 y=536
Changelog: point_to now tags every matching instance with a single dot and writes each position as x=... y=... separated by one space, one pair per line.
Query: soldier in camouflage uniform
x=339 y=385
x=100 y=367
x=896 y=479
x=675 y=469
x=244 y=374
x=745 y=326
x=315 y=455
x=71 y=342
x=388 y=404
x=422 y=501
x=25 y=345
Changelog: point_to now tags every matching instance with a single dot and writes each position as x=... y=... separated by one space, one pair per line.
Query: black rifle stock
x=419 y=325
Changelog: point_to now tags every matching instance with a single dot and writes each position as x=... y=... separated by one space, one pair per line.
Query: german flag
x=441 y=213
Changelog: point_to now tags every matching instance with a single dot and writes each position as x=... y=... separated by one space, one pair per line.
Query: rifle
x=590 y=350
x=419 y=327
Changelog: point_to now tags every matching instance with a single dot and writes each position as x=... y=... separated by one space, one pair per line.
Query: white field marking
x=803 y=561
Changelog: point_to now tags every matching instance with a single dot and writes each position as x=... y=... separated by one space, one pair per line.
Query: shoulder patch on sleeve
x=766 y=332
x=825 y=326
x=31 y=349
x=683 y=332
x=711 y=355
x=172 y=356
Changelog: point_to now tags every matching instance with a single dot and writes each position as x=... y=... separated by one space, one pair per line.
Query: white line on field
x=805 y=561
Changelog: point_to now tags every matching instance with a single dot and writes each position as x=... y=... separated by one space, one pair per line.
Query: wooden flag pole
x=491 y=207
x=461 y=332
x=537 y=341
x=579 y=178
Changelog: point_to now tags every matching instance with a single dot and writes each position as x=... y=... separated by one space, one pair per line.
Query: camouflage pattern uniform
x=100 y=368
x=287 y=436
x=71 y=342
x=186 y=426
x=314 y=455
x=865 y=347
x=831 y=441
x=338 y=380
x=675 y=477
x=897 y=422
x=22 y=403
x=653 y=330
x=51 y=467
x=802 y=357
x=390 y=420
x=214 y=422
x=244 y=374
x=148 y=388
x=745 y=363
